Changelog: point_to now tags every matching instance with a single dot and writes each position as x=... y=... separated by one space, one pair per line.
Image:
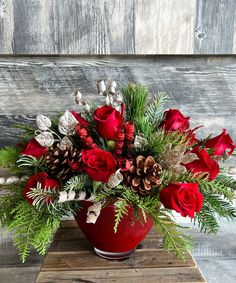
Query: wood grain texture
x=117 y=27
x=150 y=263
x=214 y=31
x=203 y=88
x=164 y=27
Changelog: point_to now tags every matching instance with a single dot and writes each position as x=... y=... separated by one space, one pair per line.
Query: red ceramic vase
x=101 y=235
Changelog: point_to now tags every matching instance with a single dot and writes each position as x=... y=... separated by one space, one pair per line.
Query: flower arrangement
x=129 y=152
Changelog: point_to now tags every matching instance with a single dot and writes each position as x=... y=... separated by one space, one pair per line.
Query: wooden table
x=71 y=259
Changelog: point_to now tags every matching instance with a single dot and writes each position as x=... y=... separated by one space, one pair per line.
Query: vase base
x=113 y=255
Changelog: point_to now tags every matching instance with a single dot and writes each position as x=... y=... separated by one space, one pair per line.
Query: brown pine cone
x=61 y=161
x=143 y=175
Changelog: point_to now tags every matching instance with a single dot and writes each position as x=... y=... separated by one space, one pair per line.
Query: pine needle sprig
x=155 y=109
x=32 y=228
x=120 y=211
x=221 y=207
x=38 y=164
x=135 y=99
x=206 y=220
x=40 y=196
x=8 y=156
x=78 y=183
x=158 y=141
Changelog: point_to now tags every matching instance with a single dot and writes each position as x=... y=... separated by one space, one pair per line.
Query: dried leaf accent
x=43 y=122
x=78 y=97
x=174 y=156
x=45 y=139
x=93 y=212
x=67 y=122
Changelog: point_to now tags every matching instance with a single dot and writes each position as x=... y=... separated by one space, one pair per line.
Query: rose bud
x=98 y=164
x=174 y=120
x=204 y=164
x=33 y=148
x=108 y=120
x=184 y=198
x=221 y=144
x=45 y=182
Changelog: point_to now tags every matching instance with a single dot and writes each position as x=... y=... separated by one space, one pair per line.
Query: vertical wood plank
x=6 y=26
x=214 y=31
x=69 y=27
x=164 y=27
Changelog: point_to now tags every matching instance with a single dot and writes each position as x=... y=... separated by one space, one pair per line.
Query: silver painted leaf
x=65 y=143
x=67 y=122
x=45 y=139
x=43 y=122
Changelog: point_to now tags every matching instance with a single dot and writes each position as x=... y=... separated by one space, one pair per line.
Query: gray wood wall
x=117 y=27
x=201 y=87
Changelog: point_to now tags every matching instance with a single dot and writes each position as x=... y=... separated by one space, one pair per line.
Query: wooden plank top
x=71 y=258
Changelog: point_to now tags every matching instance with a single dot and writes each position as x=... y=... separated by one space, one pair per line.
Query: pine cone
x=60 y=161
x=143 y=175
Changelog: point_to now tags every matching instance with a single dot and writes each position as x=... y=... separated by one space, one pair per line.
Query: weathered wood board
x=203 y=88
x=150 y=262
x=117 y=27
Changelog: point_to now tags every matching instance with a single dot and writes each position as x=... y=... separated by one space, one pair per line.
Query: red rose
x=34 y=149
x=45 y=182
x=204 y=164
x=174 y=120
x=81 y=120
x=221 y=144
x=107 y=121
x=184 y=198
x=99 y=164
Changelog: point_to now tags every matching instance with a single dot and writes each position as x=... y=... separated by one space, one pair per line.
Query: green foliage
x=8 y=156
x=120 y=211
x=31 y=162
x=135 y=99
x=220 y=206
x=174 y=240
x=78 y=183
x=158 y=141
x=32 y=228
x=8 y=200
x=206 y=220
x=28 y=132
x=155 y=109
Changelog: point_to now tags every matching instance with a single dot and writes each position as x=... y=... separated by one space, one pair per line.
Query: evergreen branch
x=158 y=141
x=206 y=220
x=220 y=206
x=32 y=162
x=32 y=228
x=120 y=211
x=40 y=196
x=8 y=156
x=135 y=99
x=155 y=109
x=173 y=239
x=78 y=183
